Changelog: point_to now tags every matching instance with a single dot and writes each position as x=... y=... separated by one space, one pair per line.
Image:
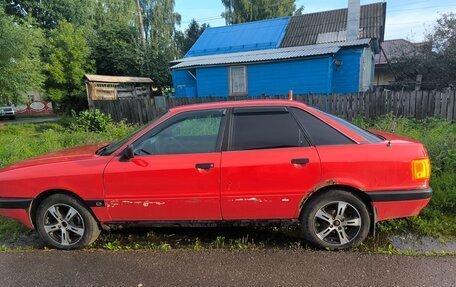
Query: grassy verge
x=438 y=219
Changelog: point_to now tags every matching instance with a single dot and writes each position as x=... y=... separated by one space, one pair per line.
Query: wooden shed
x=101 y=87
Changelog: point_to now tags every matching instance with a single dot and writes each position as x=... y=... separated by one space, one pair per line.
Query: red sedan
x=254 y=162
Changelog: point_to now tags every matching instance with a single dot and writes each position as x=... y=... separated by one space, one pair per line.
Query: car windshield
x=109 y=149
x=371 y=137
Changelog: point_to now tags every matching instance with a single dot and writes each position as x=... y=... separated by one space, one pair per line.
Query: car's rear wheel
x=335 y=219
x=63 y=222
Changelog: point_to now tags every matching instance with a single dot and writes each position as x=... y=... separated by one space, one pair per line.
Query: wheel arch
x=45 y=194
x=356 y=191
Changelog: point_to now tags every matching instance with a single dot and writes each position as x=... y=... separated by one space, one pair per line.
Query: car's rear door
x=175 y=174
x=268 y=165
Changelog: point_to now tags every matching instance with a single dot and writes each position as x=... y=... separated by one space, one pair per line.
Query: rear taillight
x=421 y=169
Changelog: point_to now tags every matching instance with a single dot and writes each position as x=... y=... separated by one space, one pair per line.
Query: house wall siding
x=212 y=82
x=310 y=75
x=184 y=84
x=346 y=78
x=304 y=76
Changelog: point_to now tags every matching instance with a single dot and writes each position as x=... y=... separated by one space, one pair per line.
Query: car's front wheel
x=63 y=222
x=335 y=219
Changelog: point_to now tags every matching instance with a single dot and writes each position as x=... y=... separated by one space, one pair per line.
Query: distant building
x=100 y=87
x=391 y=51
x=325 y=52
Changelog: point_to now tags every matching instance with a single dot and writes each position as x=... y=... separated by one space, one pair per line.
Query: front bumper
x=399 y=203
x=17 y=209
x=7 y=115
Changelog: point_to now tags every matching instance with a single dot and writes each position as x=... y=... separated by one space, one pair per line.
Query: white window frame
x=230 y=82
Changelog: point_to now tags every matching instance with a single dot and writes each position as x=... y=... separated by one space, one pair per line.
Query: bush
x=90 y=121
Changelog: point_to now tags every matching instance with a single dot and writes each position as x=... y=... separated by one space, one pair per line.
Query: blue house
x=320 y=53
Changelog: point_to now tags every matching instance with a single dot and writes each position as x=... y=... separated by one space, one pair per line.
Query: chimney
x=353 y=19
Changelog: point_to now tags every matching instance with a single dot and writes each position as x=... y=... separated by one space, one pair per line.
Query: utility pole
x=141 y=24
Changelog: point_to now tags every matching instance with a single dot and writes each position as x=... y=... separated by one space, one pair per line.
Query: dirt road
x=222 y=268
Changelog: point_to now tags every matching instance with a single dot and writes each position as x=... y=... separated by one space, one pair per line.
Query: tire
x=325 y=225
x=63 y=222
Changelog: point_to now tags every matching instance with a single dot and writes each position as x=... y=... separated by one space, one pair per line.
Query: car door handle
x=204 y=165
x=300 y=161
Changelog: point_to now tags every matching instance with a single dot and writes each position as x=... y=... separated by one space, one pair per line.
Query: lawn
x=437 y=220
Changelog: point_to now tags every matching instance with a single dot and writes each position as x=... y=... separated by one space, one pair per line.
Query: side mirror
x=128 y=153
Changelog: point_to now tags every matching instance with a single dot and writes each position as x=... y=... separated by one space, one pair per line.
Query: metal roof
x=267 y=55
x=330 y=26
x=117 y=79
x=266 y=34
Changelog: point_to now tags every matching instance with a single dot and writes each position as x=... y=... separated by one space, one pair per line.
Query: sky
x=405 y=19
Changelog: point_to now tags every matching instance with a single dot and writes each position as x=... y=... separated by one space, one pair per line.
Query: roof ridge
x=339 y=9
x=248 y=23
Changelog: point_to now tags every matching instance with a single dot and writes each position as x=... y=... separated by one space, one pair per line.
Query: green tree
x=117 y=50
x=20 y=64
x=67 y=55
x=240 y=11
x=160 y=22
x=48 y=13
x=116 y=47
x=121 y=12
x=434 y=59
x=188 y=38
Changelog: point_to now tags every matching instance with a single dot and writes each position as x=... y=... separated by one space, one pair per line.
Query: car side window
x=320 y=133
x=194 y=133
x=265 y=130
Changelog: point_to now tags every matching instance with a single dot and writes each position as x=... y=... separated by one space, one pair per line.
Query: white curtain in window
x=238 y=80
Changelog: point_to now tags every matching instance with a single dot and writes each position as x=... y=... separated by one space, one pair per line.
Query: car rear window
x=320 y=133
x=373 y=138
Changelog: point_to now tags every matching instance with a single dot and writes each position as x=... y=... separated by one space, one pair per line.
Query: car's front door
x=269 y=165
x=174 y=175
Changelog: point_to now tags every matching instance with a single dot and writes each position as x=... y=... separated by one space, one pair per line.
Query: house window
x=238 y=81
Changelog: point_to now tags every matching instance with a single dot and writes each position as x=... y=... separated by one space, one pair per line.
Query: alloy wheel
x=337 y=223
x=64 y=224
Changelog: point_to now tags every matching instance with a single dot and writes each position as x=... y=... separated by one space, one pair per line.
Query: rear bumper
x=400 y=203
x=17 y=209
x=400 y=195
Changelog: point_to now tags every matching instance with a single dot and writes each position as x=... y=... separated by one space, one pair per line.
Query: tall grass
x=25 y=141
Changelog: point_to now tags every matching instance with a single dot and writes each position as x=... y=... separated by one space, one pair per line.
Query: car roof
x=243 y=103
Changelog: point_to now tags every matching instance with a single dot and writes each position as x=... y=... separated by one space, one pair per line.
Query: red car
x=245 y=162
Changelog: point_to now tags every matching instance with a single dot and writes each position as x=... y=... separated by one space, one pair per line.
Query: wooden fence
x=415 y=104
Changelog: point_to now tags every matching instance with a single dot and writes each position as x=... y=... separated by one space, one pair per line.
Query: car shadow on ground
x=236 y=238
x=204 y=237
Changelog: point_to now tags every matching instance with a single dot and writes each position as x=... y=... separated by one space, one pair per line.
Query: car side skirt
x=15 y=203
x=202 y=223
